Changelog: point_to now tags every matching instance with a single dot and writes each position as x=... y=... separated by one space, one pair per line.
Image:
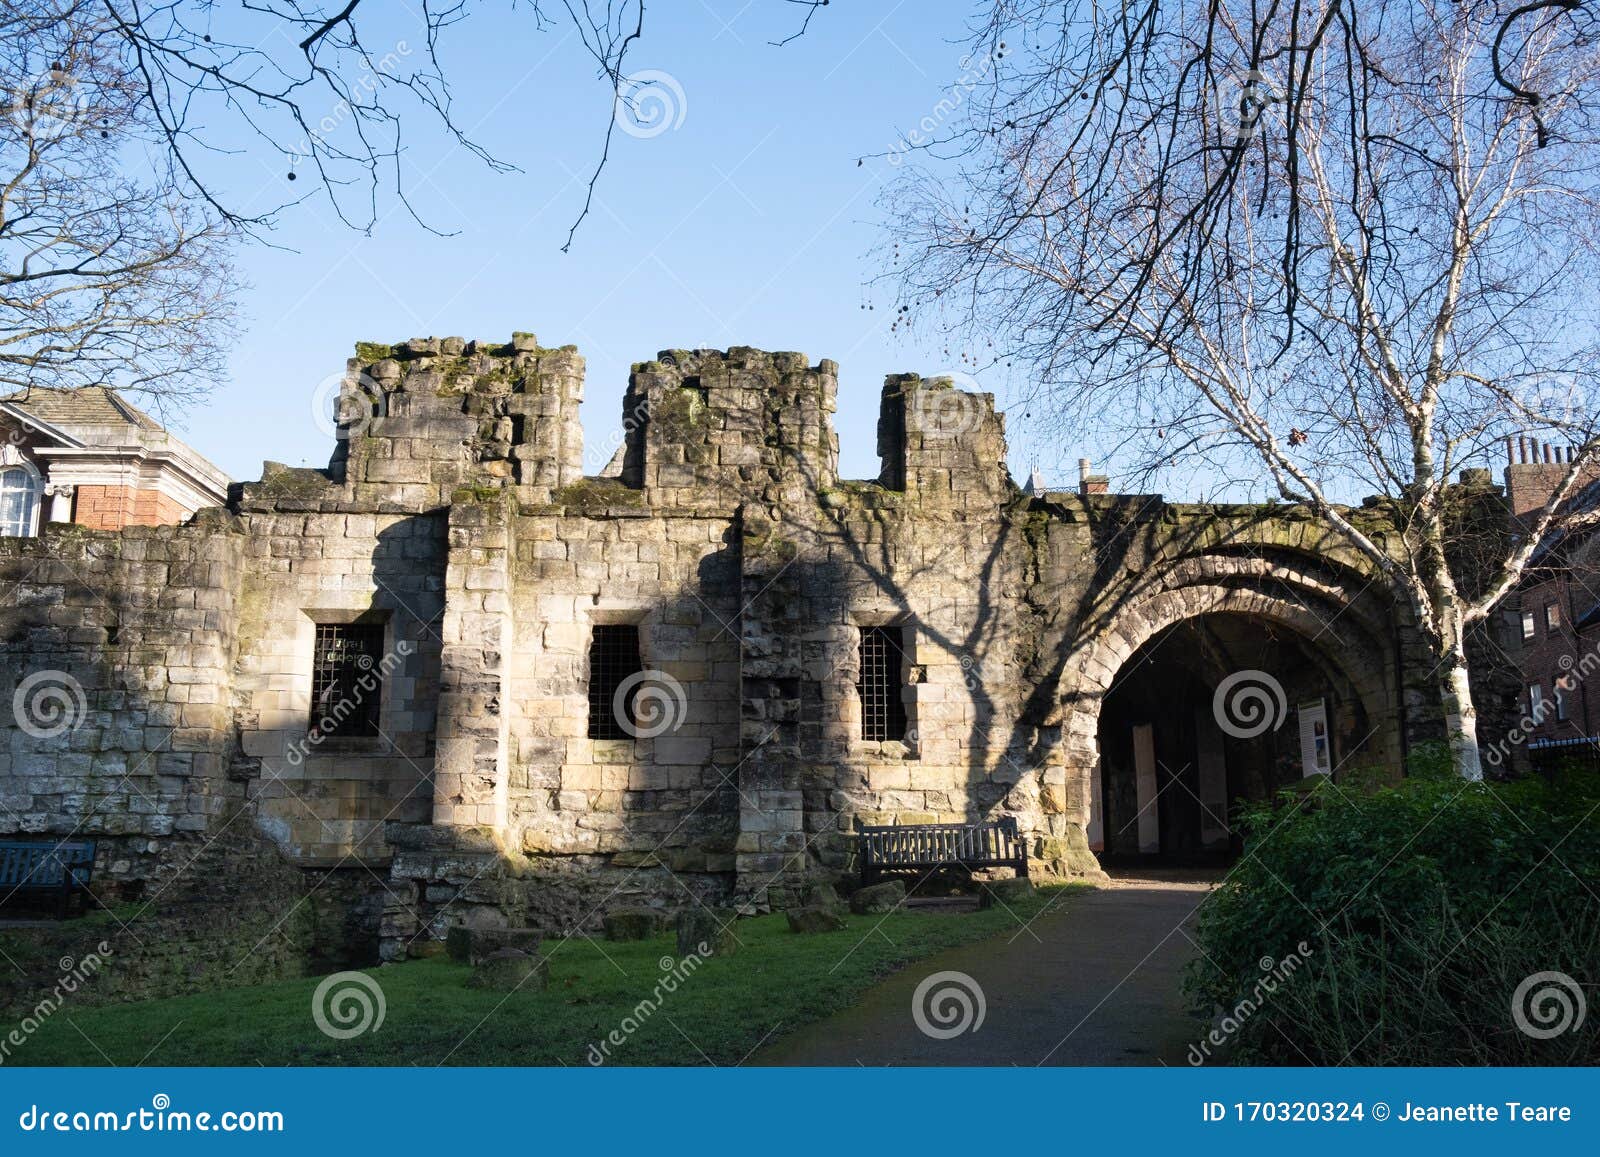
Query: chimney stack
x=1534 y=469
x=1091 y=483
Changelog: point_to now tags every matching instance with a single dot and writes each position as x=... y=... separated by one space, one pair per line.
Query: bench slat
x=994 y=843
x=35 y=866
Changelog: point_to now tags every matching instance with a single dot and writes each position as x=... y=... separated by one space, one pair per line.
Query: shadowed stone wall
x=456 y=514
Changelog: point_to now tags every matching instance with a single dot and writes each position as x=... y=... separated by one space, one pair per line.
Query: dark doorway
x=1176 y=758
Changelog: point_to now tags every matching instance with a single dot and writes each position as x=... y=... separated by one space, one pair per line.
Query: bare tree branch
x=1303 y=242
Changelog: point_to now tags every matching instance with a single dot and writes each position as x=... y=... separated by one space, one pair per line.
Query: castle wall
x=326 y=801
x=456 y=515
x=118 y=662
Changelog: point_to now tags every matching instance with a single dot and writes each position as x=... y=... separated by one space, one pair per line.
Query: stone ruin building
x=453 y=680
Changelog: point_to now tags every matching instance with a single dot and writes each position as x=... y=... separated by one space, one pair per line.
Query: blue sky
x=750 y=223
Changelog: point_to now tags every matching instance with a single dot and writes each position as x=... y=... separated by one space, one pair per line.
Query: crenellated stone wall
x=455 y=512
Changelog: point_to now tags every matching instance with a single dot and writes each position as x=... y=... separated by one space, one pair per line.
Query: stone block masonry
x=456 y=531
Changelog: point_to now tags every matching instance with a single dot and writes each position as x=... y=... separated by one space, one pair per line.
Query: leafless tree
x=325 y=92
x=1302 y=241
x=107 y=274
x=127 y=123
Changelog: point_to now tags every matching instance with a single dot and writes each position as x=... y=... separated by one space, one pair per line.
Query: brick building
x=1554 y=615
x=88 y=456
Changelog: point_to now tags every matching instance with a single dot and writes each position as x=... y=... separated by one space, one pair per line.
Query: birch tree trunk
x=1460 y=715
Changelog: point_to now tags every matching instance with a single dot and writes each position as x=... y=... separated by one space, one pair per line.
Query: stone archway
x=1331 y=615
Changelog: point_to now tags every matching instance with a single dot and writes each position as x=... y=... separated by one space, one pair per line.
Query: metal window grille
x=613 y=658
x=883 y=708
x=346 y=680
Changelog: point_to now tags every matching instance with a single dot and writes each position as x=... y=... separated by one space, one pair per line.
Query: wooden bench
x=59 y=869
x=924 y=847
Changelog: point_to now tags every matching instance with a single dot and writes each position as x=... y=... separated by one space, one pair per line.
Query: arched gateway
x=1224 y=674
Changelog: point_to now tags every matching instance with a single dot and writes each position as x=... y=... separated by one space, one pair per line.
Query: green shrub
x=1413 y=914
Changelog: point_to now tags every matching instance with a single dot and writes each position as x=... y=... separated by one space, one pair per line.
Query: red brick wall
x=1553 y=653
x=113 y=507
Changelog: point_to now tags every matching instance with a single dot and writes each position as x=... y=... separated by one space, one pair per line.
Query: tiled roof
x=84 y=406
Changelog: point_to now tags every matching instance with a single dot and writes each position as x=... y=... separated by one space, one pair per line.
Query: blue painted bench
x=61 y=869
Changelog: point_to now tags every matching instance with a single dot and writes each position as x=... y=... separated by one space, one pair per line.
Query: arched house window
x=21 y=489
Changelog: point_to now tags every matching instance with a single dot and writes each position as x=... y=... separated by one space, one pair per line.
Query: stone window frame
x=378 y=744
x=615 y=614
x=912 y=675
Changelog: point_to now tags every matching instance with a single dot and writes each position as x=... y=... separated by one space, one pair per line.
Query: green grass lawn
x=776 y=982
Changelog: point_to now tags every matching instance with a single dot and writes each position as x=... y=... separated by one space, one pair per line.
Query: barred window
x=613 y=661
x=883 y=708
x=347 y=680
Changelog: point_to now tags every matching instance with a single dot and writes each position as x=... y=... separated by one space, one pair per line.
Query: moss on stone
x=680 y=415
x=478 y=494
x=368 y=352
x=771 y=546
x=860 y=494
x=295 y=482
x=595 y=495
